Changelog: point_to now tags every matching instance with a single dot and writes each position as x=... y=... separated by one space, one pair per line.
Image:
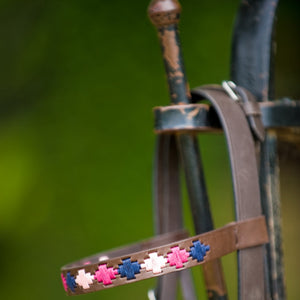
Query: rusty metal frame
x=252 y=67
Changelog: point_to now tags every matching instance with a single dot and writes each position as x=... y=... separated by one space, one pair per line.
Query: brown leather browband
x=161 y=255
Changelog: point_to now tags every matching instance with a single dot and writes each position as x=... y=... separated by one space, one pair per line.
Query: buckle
x=230 y=88
x=250 y=107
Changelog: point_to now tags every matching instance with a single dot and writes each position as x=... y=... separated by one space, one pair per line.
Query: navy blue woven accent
x=198 y=251
x=71 y=282
x=129 y=268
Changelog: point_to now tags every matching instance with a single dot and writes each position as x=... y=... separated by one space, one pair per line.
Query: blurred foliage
x=78 y=81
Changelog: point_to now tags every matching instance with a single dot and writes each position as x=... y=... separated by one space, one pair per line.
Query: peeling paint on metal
x=171 y=50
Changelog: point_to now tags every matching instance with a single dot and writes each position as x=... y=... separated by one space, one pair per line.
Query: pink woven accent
x=64 y=282
x=105 y=274
x=177 y=257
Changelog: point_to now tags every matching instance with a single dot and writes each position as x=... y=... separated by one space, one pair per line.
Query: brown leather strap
x=245 y=183
x=166 y=186
x=247 y=234
x=168 y=210
x=120 y=267
x=167 y=203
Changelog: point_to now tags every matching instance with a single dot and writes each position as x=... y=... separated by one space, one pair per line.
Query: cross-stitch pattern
x=177 y=257
x=105 y=274
x=84 y=279
x=71 y=282
x=155 y=263
x=129 y=268
x=64 y=282
x=152 y=262
x=198 y=251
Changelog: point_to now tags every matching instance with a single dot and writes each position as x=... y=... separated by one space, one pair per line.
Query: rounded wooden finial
x=164 y=12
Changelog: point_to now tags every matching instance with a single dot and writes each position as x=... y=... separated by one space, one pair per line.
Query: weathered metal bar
x=164 y=14
x=252 y=66
x=252 y=56
x=269 y=180
x=280 y=114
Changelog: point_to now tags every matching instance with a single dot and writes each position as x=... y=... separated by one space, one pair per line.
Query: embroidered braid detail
x=129 y=268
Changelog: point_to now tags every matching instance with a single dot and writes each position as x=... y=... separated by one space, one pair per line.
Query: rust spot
x=176 y=73
x=174 y=96
x=182 y=109
x=171 y=49
x=264 y=93
x=193 y=113
x=188 y=93
x=263 y=75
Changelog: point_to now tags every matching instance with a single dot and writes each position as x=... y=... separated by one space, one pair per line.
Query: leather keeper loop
x=252 y=109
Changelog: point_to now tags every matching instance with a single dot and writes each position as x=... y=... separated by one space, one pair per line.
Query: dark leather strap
x=168 y=211
x=245 y=183
x=159 y=256
x=166 y=186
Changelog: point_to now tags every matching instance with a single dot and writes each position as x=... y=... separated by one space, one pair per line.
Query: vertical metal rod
x=252 y=66
x=269 y=179
x=253 y=47
x=165 y=15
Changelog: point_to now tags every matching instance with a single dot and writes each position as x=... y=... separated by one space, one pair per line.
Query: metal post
x=252 y=67
x=165 y=14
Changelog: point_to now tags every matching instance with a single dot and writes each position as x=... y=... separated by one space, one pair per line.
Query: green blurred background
x=78 y=82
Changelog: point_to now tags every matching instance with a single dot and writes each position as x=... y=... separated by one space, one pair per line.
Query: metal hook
x=230 y=87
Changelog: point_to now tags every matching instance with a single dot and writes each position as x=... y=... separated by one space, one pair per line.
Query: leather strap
x=159 y=256
x=166 y=186
x=245 y=183
x=246 y=235
x=168 y=211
